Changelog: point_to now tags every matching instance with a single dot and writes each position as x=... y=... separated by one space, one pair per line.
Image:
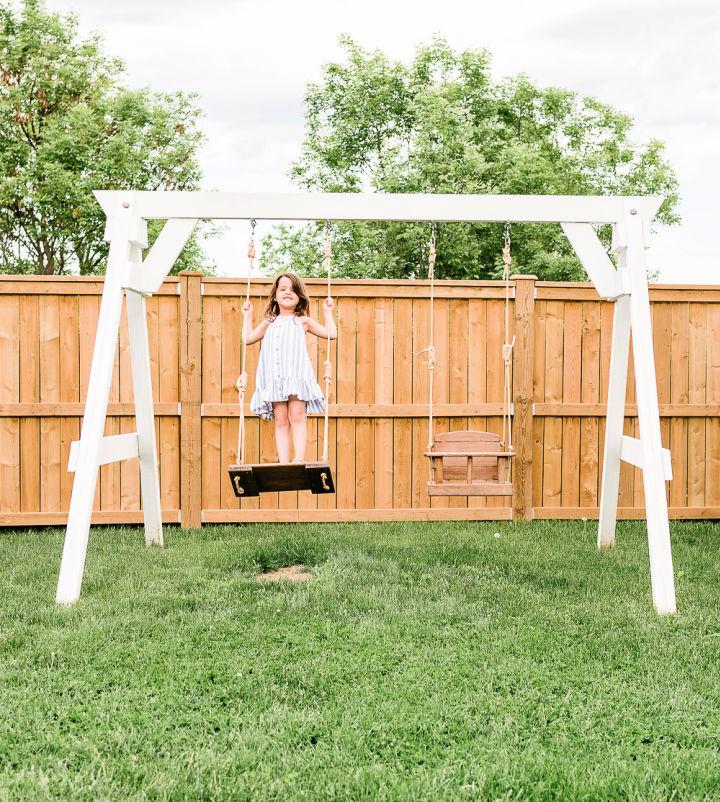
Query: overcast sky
x=249 y=61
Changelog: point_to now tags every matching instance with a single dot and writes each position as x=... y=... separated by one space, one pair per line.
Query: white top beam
x=378 y=206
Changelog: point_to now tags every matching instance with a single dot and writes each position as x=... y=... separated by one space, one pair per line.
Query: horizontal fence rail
x=378 y=410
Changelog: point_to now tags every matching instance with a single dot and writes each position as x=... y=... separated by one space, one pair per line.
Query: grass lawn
x=422 y=662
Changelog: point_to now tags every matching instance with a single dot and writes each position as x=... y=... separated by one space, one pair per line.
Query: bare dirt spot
x=291 y=573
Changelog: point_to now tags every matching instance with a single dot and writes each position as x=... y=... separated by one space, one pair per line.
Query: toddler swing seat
x=469 y=464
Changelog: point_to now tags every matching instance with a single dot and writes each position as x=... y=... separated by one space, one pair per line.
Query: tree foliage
x=67 y=127
x=442 y=124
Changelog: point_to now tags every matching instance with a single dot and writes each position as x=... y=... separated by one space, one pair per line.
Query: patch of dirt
x=291 y=573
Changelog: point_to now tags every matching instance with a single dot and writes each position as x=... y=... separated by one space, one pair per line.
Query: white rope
x=242 y=381
x=507 y=348
x=430 y=350
x=327 y=365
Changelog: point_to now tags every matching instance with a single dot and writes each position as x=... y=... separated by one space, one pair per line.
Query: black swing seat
x=270 y=477
x=469 y=464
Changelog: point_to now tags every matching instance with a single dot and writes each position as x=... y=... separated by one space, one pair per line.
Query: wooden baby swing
x=470 y=463
x=251 y=480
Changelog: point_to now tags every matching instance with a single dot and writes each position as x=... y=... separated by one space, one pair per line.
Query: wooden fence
x=378 y=427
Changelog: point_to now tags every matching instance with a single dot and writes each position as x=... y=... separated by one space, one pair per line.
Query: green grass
x=423 y=662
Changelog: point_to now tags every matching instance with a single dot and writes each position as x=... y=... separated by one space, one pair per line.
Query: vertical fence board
x=9 y=393
x=712 y=431
x=572 y=375
x=29 y=364
x=384 y=357
x=552 y=446
x=365 y=394
x=590 y=394
x=697 y=358
x=69 y=387
x=347 y=361
x=477 y=371
x=679 y=386
x=50 y=466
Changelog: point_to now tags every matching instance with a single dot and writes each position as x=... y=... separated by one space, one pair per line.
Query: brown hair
x=272 y=310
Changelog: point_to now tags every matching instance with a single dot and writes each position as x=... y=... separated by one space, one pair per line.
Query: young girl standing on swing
x=286 y=389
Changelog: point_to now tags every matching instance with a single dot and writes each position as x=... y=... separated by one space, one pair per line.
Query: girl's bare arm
x=252 y=335
x=329 y=329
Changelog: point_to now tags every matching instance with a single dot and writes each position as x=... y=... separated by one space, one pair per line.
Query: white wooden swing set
x=462 y=463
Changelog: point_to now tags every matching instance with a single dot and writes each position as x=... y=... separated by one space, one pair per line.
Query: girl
x=285 y=386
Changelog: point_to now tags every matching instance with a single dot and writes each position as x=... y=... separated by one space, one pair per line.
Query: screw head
x=633 y=211
x=126 y=205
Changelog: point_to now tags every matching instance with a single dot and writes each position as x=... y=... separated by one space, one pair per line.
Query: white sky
x=249 y=61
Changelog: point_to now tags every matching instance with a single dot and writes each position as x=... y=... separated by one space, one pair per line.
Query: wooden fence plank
x=590 y=393
x=347 y=361
x=50 y=466
x=169 y=390
x=29 y=344
x=679 y=385
x=697 y=379
x=712 y=430
x=572 y=374
x=384 y=358
x=552 y=445
x=10 y=497
x=365 y=393
x=69 y=314
x=212 y=469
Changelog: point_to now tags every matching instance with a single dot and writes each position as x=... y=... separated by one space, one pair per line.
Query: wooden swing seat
x=469 y=464
x=270 y=477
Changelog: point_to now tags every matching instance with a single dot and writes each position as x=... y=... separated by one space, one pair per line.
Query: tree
x=67 y=127
x=441 y=124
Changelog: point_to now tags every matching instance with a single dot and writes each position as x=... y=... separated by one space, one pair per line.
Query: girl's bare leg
x=282 y=430
x=298 y=423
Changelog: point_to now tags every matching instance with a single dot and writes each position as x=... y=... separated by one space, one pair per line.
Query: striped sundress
x=284 y=369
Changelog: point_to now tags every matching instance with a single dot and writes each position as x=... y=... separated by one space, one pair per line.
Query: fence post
x=190 y=397
x=522 y=498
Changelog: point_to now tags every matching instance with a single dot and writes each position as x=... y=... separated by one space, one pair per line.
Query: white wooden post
x=126 y=234
x=654 y=474
x=144 y=416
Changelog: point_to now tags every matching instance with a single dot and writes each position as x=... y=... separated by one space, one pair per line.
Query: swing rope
x=243 y=377
x=430 y=350
x=507 y=348
x=327 y=365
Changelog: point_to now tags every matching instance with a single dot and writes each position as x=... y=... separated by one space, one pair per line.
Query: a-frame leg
x=144 y=416
x=658 y=524
x=125 y=235
x=610 y=486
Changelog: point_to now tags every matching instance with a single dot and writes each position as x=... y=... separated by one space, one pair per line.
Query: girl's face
x=287 y=299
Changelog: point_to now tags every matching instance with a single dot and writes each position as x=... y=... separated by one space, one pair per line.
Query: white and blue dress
x=284 y=369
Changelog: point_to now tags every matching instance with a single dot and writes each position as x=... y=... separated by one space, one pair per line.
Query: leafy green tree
x=67 y=127
x=442 y=124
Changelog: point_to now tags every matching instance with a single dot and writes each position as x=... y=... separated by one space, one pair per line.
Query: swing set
x=461 y=463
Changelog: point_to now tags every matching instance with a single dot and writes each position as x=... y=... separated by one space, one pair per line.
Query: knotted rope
x=242 y=381
x=327 y=364
x=507 y=348
x=430 y=350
